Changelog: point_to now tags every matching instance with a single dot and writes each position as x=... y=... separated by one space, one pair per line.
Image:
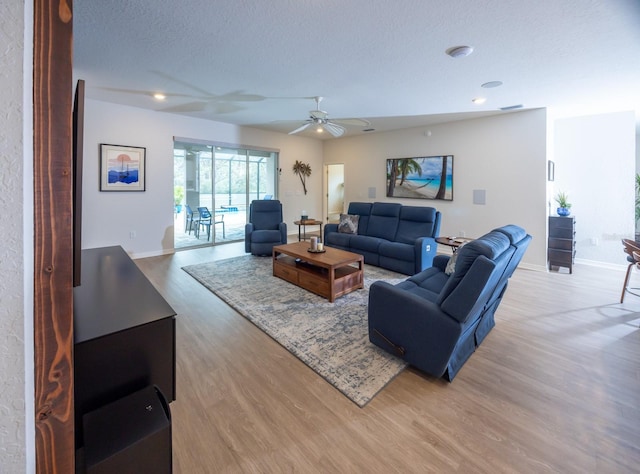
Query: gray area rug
x=331 y=338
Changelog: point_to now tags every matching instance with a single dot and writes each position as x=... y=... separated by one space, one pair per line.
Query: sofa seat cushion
x=338 y=239
x=365 y=243
x=398 y=251
x=432 y=279
x=411 y=287
x=266 y=236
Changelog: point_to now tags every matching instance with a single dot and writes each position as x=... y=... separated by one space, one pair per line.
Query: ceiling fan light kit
x=319 y=118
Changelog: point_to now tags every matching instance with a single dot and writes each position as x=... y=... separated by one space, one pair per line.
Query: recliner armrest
x=425 y=332
x=248 y=229
x=282 y=227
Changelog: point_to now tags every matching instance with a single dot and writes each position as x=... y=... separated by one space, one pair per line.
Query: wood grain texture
x=555 y=387
x=53 y=298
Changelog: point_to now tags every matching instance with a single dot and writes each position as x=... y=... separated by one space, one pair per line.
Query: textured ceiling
x=256 y=62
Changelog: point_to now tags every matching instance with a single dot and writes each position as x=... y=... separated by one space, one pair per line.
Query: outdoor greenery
x=178 y=195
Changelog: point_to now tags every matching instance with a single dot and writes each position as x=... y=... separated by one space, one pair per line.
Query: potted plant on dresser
x=563 y=205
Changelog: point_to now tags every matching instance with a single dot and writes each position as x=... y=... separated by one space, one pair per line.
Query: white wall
x=595 y=165
x=504 y=155
x=109 y=217
x=16 y=353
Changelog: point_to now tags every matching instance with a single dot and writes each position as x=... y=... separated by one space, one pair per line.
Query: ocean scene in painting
x=427 y=177
x=123 y=169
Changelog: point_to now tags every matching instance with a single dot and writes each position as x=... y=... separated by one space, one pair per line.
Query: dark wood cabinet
x=562 y=242
x=124 y=334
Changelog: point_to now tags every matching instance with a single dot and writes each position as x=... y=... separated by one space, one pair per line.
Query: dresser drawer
x=560 y=257
x=561 y=244
x=561 y=223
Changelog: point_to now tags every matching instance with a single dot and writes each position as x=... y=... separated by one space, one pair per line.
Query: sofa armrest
x=427 y=334
x=425 y=251
x=329 y=228
x=440 y=262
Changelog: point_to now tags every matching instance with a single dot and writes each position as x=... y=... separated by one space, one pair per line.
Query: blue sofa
x=390 y=235
x=435 y=320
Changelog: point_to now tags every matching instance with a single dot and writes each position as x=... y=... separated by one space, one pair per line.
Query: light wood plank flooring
x=555 y=387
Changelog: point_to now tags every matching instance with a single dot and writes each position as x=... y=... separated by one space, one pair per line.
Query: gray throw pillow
x=348 y=224
x=451 y=264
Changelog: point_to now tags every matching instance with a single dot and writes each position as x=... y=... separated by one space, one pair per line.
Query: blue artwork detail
x=127 y=177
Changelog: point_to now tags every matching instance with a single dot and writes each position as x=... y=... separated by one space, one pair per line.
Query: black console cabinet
x=124 y=334
x=562 y=242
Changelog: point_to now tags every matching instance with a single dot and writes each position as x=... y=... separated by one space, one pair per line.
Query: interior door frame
x=327 y=191
x=52 y=236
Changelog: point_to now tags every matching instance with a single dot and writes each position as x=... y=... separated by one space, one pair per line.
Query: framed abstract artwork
x=122 y=168
x=421 y=177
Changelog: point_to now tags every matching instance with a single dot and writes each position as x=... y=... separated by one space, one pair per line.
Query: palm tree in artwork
x=408 y=166
x=443 y=179
x=392 y=175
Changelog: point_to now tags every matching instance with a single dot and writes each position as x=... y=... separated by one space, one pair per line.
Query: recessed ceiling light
x=459 y=51
x=491 y=84
x=159 y=96
x=479 y=100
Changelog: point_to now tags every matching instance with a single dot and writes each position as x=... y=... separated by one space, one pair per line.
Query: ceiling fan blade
x=301 y=128
x=333 y=129
x=356 y=122
x=188 y=107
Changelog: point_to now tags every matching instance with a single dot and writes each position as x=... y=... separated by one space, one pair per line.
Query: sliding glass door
x=224 y=180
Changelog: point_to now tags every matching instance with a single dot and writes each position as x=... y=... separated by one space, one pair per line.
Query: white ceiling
x=254 y=62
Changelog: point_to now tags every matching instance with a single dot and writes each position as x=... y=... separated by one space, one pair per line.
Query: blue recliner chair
x=265 y=228
x=435 y=319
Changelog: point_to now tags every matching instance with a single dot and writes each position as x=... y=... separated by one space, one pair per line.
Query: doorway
x=334 y=192
x=224 y=180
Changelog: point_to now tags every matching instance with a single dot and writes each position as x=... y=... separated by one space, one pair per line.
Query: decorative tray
x=316 y=251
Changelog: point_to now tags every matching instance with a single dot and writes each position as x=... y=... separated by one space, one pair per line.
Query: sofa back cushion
x=265 y=215
x=362 y=209
x=383 y=222
x=416 y=222
x=479 y=265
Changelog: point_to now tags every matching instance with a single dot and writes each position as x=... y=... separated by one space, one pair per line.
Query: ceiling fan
x=319 y=119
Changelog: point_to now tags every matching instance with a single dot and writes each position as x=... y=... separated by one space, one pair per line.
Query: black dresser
x=562 y=242
x=125 y=341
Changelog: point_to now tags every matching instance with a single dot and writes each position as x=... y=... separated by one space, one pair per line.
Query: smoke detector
x=459 y=51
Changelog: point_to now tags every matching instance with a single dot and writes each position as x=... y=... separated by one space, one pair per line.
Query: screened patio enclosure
x=224 y=180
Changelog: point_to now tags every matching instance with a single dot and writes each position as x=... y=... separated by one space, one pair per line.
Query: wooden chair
x=632 y=250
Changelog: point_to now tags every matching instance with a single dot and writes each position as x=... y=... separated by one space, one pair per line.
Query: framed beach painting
x=422 y=177
x=122 y=168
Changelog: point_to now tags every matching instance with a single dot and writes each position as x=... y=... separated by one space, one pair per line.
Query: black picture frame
x=420 y=177
x=122 y=168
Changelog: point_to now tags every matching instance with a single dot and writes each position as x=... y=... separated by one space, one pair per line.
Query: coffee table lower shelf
x=317 y=279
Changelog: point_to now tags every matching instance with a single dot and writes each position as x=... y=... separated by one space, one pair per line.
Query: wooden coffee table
x=330 y=274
